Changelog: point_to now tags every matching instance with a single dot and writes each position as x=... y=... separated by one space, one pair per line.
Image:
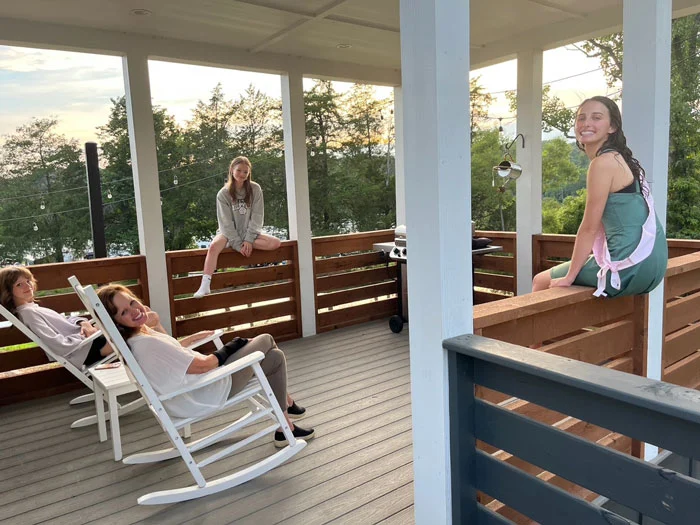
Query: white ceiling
x=312 y=29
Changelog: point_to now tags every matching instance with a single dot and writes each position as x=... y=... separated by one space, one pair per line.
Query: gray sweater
x=60 y=333
x=238 y=222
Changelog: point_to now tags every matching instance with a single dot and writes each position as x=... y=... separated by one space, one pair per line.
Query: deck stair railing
x=647 y=410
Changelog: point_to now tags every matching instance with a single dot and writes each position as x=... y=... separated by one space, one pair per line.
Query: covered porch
x=312 y=286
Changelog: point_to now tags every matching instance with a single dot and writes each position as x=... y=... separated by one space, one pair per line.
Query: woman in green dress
x=619 y=225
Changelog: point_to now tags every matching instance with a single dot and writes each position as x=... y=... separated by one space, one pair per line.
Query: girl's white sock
x=204 y=287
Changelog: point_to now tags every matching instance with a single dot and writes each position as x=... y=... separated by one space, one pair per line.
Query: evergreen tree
x=44 y=204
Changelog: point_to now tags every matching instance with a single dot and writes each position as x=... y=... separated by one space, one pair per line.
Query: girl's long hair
x=616 y=141
x=106 y=294
x=8 y=278
x=231 y=183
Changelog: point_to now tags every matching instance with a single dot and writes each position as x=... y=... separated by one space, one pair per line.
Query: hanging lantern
x=508 y=169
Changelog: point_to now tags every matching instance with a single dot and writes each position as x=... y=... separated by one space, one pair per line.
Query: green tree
x=493 y=206
x=479 y=103
x=683 y=218
x=324 y=124
x=559 y=172
x=257 y=134
x=367 y=178
x=43 y=201
x=555 y=115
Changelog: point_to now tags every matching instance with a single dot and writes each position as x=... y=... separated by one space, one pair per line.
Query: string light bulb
x=175 y=181
x=109 y=193
x=35 y=227
x=42 y=205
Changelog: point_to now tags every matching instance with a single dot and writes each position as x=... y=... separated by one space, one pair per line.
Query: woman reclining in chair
x=61 y=334
x=169 y=365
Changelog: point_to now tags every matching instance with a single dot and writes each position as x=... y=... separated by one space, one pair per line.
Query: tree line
x=350 y=156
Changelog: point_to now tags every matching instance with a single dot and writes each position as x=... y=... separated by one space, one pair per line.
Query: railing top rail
x=348 y=236
x=527 y=305
x=683 y=264
x=671 y=400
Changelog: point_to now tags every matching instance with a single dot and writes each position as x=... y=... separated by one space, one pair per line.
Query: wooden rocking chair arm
x=85 y=342
x=217 y=374
x=216 y=335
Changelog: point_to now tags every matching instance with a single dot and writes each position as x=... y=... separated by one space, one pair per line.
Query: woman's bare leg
x=266 y=242
x=541 y=281
x=215 y=248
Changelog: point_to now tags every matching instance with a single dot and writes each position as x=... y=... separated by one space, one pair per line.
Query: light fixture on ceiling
x=343 y=46
x=140 y=12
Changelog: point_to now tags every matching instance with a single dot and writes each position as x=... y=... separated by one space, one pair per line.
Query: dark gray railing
x=650 y=411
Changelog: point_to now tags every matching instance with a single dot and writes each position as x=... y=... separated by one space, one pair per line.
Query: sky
x=76 y=88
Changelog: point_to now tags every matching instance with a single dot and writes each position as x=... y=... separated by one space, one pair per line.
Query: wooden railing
x=254 y=295
x=354 y=284
x=681 y=353
x=549 y=250
x=666 y=416
x=567 y=322
x=27 y=373
x=495 y=275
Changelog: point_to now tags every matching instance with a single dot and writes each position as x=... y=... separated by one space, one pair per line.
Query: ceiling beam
x=557 y=7
x=323 y=13
x=45 y=35
x=309 y=16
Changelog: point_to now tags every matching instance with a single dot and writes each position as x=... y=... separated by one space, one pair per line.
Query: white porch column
x=528 y=210
x=144 y=165
x=398 y=157
x=435 y=84
x=298 y=207
x=646 y=107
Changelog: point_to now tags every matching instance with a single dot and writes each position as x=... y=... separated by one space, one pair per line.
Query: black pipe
x=97 y=218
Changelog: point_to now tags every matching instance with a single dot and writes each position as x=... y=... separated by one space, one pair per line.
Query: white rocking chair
x=257 y=393
x=82 y=374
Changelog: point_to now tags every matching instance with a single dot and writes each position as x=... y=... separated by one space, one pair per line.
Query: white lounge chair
x=83 y=374
x=257 y=394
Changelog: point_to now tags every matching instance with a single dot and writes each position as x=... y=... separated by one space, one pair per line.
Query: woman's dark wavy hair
x=616 y=140
x=106 y=294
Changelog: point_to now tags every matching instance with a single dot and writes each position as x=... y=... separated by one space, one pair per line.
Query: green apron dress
x=622 y=219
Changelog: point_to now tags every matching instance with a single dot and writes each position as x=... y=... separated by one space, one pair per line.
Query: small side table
x=110 y=383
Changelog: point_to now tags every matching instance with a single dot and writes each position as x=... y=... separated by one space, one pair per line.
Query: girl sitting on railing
x=240 y=211
x=169 y=365
x=619 y=223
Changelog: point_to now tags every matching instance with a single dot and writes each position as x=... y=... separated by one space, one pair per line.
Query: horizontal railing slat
x=186 y=261
x=534 y=498
x=349 y=262
x=620 y=477
x=356 y=294
x=234 y=298
x=682 y=312
x=354 y=242
x=353 y=279
x=489 y=517
x=236 y=317
x=638 y=407
x=219 y=280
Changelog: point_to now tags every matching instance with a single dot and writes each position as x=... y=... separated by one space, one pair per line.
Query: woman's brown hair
x=106 y=294
x=8 y=278
x=231 y=183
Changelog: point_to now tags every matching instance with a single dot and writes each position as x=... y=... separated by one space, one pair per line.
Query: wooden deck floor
x=355 y=385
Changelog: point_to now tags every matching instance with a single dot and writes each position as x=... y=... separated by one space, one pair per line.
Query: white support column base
x=298 y=205
x=144 y=164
